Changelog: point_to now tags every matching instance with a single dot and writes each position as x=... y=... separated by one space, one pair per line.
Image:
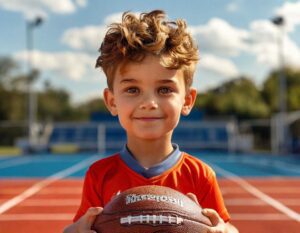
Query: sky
x=235 y=38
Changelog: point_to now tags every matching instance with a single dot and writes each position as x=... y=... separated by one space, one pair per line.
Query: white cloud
x=219 y=37
x=74 y=71
x=67 y=65
x=33 y=8
x=81 y=3
x=117 y=17
x=265 y=45
x=87 y=38
x=261 y=40
x=217 y=65
x=232 y=7
x=291 y=13
x=113 y=18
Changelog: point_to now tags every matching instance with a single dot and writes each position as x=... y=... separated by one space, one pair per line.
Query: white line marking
x=259 y=217
x=257 y=193
x=51 y=202
x=67 y=217
x=14 y=162
x=286 y=190
x=43 y=183
x=36 y=217
x=258 y=202
x=52 y=190
x=263 y=162
x=244 y=202
x=280 y=165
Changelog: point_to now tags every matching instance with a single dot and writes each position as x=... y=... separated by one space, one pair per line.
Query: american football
x=151 y=209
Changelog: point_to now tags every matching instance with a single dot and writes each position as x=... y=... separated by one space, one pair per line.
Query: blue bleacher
x=186 y=134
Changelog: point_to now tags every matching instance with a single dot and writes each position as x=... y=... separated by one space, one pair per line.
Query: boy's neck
x=149 y=153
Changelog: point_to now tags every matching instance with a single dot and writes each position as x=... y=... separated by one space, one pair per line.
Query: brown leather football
x=151 y=209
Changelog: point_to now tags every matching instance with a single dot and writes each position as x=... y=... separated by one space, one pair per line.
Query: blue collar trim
x=157 y=169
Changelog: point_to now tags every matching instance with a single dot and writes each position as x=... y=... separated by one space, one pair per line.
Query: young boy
x=149 y=64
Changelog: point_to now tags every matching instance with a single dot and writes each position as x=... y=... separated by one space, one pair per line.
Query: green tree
x=270 y=90
x=54 y=105
x=7 y=65
x=239 y=97
x=12 y=100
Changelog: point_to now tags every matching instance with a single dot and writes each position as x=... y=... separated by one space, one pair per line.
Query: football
x=151 y=209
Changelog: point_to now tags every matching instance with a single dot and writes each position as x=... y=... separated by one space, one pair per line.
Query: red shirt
x=109 y=176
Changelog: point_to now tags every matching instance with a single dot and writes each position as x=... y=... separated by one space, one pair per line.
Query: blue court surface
x=45 y=165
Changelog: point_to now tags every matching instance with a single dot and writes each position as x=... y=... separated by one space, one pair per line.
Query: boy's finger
x=90 y=215
x=193 y=197
x=94 y=211
x=212 y=215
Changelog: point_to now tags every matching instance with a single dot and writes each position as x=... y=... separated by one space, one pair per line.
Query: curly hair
x=150 y=33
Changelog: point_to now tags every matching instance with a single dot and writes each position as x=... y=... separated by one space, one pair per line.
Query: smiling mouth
x=148 y=118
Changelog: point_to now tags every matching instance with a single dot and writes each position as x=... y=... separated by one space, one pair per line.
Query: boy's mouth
x=147 y=118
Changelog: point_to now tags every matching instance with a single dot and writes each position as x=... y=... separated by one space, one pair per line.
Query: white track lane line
x=54 y=190
x=257 y=193
x=260 y=217
x=285 y=166
x=258 y=202
x=67 y=216
x=43 y=183
x=285 y=190
x=36 y=217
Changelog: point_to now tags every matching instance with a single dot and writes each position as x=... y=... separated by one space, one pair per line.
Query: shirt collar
x=157 y=169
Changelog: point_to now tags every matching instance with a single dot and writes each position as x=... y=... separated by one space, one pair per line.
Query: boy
x=149 y=64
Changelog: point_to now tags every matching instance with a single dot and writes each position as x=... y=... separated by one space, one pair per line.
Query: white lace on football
x=151 y=219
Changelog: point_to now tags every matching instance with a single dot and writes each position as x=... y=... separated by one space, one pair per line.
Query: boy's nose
x=149 y=104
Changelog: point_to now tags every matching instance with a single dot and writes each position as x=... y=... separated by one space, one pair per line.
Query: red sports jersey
x=109 y=176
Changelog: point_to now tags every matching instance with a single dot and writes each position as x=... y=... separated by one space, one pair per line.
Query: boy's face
x=149 y=99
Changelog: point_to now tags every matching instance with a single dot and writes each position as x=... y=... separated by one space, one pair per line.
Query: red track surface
x=51 y=208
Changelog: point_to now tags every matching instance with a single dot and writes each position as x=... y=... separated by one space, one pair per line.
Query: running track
x=42 y=193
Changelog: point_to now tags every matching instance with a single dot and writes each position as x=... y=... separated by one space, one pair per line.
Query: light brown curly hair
x=150 y=33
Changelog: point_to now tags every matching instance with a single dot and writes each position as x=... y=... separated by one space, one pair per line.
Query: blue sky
x=235 y=37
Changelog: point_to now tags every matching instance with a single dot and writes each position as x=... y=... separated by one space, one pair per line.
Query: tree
x=12 y=100
x=54 y=105
x=7 y=65
x=239 y=97
x=270 y=90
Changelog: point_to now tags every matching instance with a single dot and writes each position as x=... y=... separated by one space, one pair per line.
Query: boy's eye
x=165 y=90
x=132 y=90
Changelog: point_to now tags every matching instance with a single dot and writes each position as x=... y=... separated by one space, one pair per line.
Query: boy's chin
x=150 y=136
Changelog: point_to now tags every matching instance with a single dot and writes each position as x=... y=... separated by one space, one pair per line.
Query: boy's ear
x=189 y=101
x=109 y=101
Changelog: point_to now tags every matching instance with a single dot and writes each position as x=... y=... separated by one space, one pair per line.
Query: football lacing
x=151 y=219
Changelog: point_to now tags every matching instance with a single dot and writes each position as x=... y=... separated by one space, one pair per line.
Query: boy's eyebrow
x=132 y=80
x=128 y=80
x=167 y=81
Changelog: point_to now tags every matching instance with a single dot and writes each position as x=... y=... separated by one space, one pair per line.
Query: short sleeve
x=211 y=197
x=90 y=195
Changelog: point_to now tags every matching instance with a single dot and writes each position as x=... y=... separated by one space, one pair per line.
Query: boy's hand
x=218 y=225
x=84 y=224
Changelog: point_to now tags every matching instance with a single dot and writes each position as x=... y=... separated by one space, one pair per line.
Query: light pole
x=30 y=25
x=281 y=127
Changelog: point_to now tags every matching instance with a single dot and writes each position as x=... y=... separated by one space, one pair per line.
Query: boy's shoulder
x=197 y=165
x=106 y=162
